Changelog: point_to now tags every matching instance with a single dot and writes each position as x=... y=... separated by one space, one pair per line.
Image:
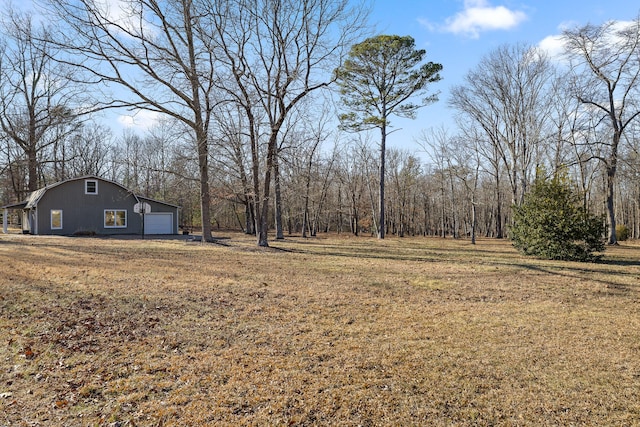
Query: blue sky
x=458 y=33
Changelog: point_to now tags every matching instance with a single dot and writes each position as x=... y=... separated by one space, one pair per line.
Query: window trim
x=51 y=219
x=115 y=215
x=86 y=186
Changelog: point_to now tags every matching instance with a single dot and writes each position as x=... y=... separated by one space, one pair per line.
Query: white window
x=115 y=218
x=56 y=219
x=90 y=186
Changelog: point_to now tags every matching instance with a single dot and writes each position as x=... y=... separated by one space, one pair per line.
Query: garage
x=158 y=223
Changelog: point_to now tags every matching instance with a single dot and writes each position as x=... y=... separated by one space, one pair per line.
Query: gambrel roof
x=32 y=199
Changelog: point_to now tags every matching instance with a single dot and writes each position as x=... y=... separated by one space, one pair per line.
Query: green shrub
x=552 y=224
x=622 y=232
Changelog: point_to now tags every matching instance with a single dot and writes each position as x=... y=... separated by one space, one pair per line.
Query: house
x=92 y=205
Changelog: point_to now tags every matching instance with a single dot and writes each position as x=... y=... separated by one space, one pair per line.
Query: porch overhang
x=5 y=214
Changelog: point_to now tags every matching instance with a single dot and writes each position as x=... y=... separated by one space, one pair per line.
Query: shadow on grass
x=619 y=262
x=500 y=254
x=360 y=253
x=432 y=250
x=455 y=252
x=629 y=256
x=573 y=272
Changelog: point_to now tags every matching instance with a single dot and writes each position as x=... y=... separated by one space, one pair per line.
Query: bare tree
x=352 y=176
x=276 y=53
x=465 y=164
x=291 y=145
x=605 y=62
x=366 y=161
x=506 y=95
x=630 y=183
x=488 y=161
x=161 y=145
x=232 y=162
x=158 y=52
x=438 y=145
x=404 y=171
x=37 y=97
x=83 y=153
x=572 y=146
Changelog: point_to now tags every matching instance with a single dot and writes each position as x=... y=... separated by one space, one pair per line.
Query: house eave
x=20 y=205
x=149 y=199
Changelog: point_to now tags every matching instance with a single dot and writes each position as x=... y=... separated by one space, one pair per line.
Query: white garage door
x=158 y=223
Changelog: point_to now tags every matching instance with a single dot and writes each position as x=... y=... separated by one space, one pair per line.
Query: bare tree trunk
x=205 y=194
x=263 y=238
x=383 y=149
x=249 y=218
x=305 y=213
x=200 y=123
x=611 y=176
x=278 y=196
x=474 y=218
x=255 y=162
x=354 y=222
x=32 y=161
x=339 y=211
x=402 y=219
x=454 y=215
x=498 y=210
x=443 y=214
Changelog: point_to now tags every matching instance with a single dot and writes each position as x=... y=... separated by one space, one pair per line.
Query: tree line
x=249 y=136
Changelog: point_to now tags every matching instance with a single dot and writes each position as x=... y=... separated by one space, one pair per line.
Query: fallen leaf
x=28 y=353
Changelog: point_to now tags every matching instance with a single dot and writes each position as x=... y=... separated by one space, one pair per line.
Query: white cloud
x=141 y=120
x=122 y=16
x=553 y=46
x=427 y=24
x=479 y=16
x=113 y=10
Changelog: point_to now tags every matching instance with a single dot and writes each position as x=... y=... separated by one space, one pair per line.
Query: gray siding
x=85 y=212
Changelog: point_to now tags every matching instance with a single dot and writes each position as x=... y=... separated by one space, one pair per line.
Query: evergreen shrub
x=552 y=223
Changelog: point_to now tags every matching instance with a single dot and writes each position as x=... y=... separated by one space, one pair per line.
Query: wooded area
x=249 y=137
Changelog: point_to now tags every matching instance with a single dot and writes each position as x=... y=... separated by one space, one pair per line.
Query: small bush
x=552 y=224
x=622 y=232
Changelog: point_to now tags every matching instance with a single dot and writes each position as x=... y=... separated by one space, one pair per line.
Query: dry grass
x=327 y=331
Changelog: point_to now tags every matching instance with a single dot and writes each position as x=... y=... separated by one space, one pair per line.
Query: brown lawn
x=327 y=331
